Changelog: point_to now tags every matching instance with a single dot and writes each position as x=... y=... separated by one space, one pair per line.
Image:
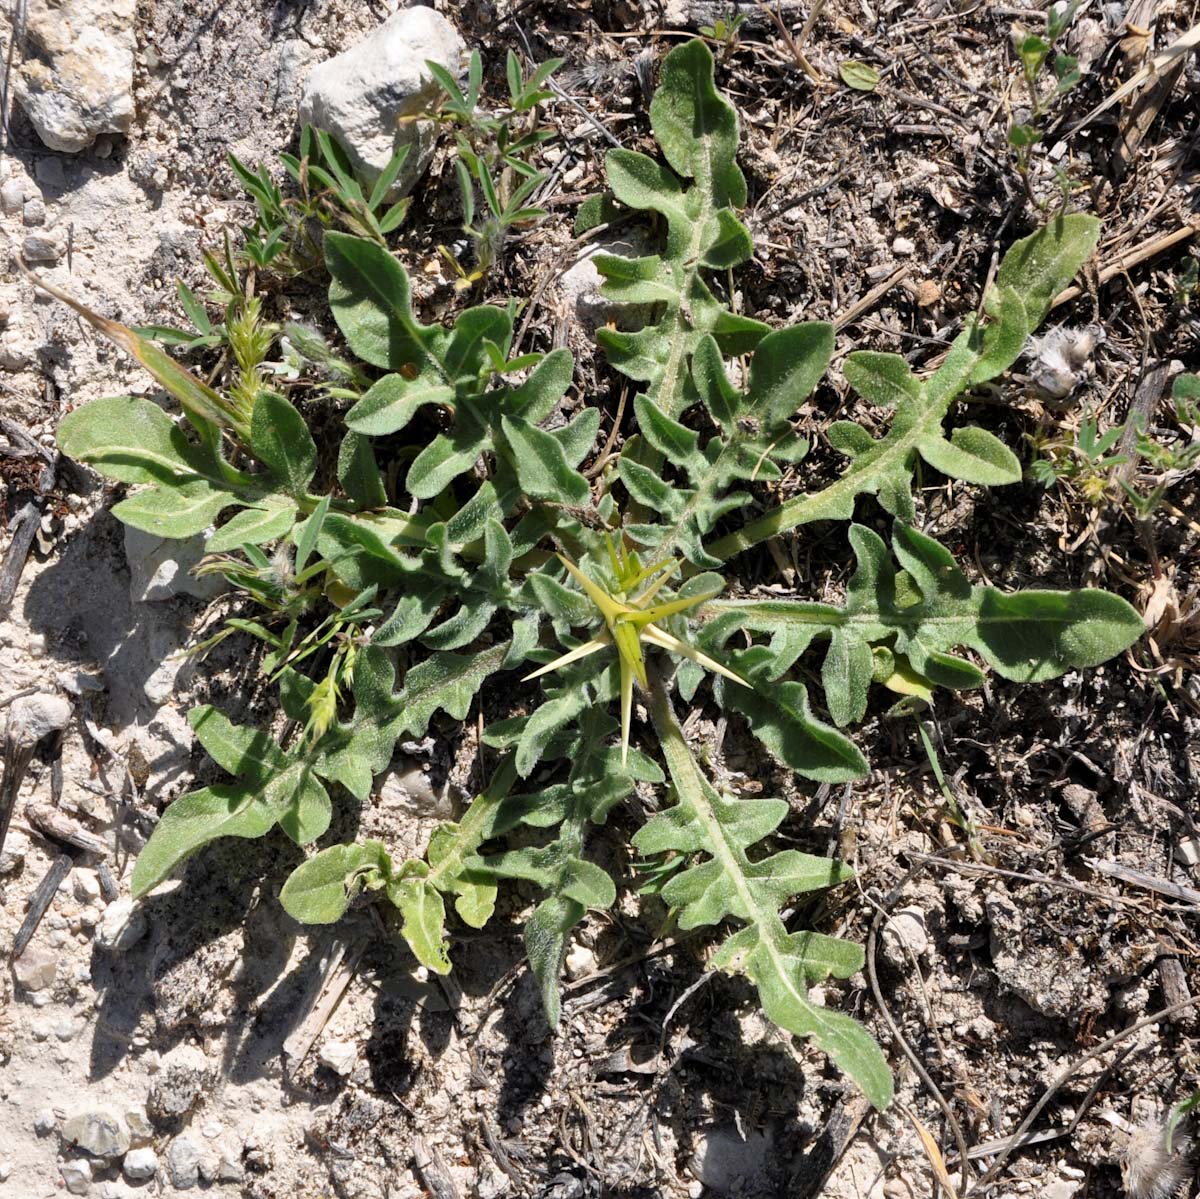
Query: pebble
x=36 y=968
x=140 y=1165
x=229 y=1164
x=122 y=926
x=86 y=884
x=161 y=568
x=41 y=247
x=175 y=1091
x=6 y=1169
x=16 y=846
x=903 y=934
x=76 y=1175
x=138 y=1123
x=902 y=247
x=1187 y=852
x=101 y=1132
x=183 y=1163
x=44 y=1123
x=33 y=717
x=580 y=962
x=339 y=1056
x=12 y=196
x=34 y=212
x=728 y=1163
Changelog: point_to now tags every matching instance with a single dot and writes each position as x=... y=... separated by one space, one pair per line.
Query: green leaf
x=131 y=440
x=320 y=890
x=246 y=753
x=1030 y=275
x=194 y=820
x=448 y=681
x=728 y=882
x=424 y=916
x=254 y=526
x=391 y=402
x=358 y=473
x=1041 y=265
x=176 y=511
x=541 y=465
x=884 y=379
x=371 y=301
x=786 y=366
x=780 y=718
x=538 y=396
x=281 y=440
x=858 y=75
x=973 y=455
x=696 y=127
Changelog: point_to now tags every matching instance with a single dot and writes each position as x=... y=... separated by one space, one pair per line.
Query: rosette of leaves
x=451 y=562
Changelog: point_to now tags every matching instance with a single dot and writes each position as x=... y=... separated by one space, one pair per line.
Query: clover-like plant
x=482 y=550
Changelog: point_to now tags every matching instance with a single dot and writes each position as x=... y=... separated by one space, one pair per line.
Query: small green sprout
x=629 y=620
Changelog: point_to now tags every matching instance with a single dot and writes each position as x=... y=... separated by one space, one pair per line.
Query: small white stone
x=902 y=247
x=122 y=926
x=903 y=934
x=101 y=1132
x=44 y=1123
x=1187 y=852
x=16 y=846
x=86 y=884
x=140 y=1165
x=33 y=717
x=76 y=1175
x=580 y=962
x=6 y=1169
x=183 y=1163
x=138 y=1123
x=161 y=568
x=12 y=196
x=339 y=1056
x=42 y=247
x=34 y=212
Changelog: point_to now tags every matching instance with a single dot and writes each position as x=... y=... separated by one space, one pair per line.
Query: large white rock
x=361 y=95
x=77 y=79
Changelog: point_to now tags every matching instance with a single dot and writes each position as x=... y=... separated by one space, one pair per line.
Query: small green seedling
x=486 y=547
x=1036 y=53
x=494 y=150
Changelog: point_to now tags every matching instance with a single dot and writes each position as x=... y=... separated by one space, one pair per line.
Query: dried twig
x=39 y=901
x=24 y=528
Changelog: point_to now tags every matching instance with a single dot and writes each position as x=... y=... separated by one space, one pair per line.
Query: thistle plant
x=492 y=554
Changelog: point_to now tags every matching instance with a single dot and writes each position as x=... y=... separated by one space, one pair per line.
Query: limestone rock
x=360 y=95
x=101 y=1133
x=77 y=79
x=580 y=284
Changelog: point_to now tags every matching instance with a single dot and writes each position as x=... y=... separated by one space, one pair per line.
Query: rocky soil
x=201 y=1040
